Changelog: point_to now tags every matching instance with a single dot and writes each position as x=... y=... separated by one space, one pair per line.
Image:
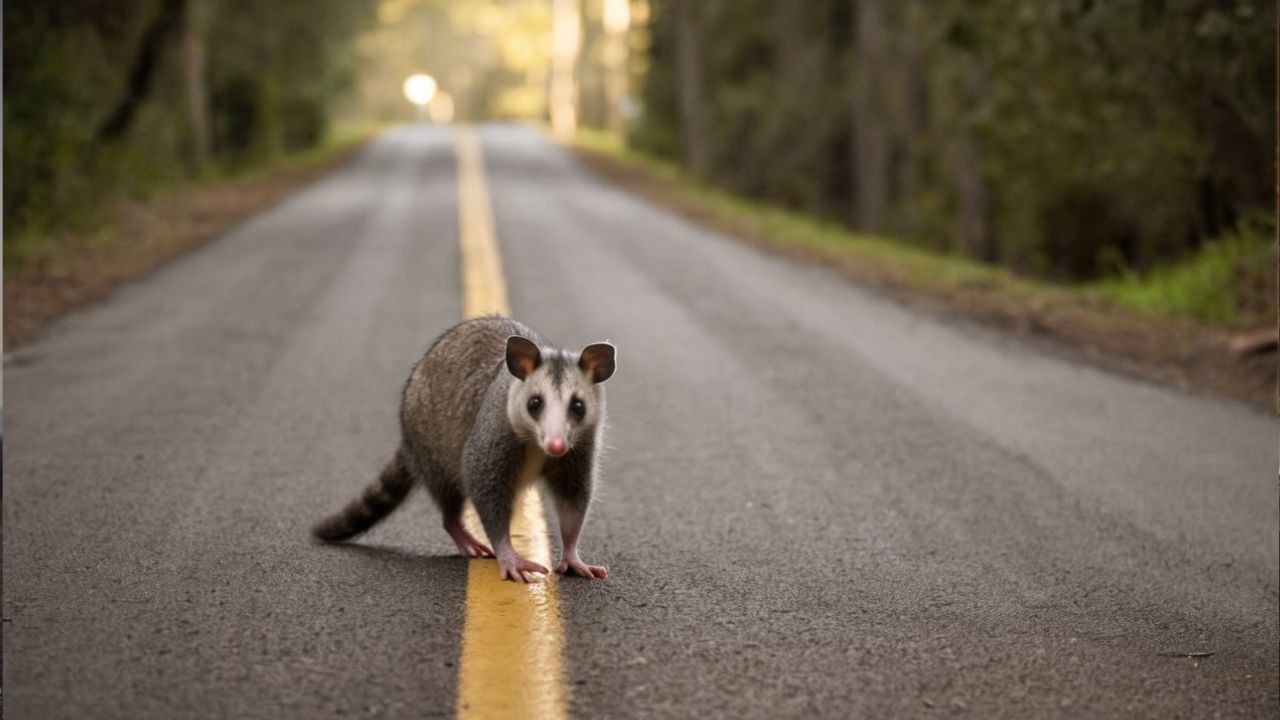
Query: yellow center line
x=513 y=640
x=484 y=291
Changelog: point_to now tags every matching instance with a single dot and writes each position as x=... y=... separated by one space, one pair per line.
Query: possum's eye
x=577 y=408
x=534 y=405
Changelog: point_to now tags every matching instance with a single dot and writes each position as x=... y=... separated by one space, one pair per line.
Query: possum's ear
x=523 y=356
x=599 y=360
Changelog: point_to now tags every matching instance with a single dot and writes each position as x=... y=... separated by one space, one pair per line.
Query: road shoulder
x=138 y=237
x=1168 y=350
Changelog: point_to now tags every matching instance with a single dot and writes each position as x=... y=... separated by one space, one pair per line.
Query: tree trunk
x=693 y=111
x=617 y=25
x=196 y=83
x=566 y=43
x=915 y=88
x=142 y=71
x=974 y=237
x=870 y=138
x=790 y=37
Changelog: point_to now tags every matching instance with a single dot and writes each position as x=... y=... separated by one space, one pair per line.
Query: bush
x=1231 y=280
x=304 y=121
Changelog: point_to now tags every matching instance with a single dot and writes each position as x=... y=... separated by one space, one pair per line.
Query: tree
x=1064 y=138
x=693 y=112
x=870 y=146
x=195 y=83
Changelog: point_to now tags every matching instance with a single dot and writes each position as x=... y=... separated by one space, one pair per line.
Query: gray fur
x=466 y=432
x=557 y=366
x=570 y=478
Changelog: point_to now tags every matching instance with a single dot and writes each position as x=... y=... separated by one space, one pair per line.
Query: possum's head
x=558 y=401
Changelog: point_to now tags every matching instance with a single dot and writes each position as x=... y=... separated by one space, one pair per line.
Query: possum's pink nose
x=556 y=447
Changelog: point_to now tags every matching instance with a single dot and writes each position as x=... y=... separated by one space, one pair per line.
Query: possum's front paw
x=573 y=564
x=514 y=567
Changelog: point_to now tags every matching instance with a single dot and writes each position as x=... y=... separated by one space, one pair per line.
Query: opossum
x=490 y=407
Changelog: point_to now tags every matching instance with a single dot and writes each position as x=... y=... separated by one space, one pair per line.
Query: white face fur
x=557 y=400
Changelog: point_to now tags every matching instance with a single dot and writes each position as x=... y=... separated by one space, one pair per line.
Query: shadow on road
x=400 y=558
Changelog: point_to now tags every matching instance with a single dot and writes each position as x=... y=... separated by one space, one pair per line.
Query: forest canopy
x=1063 y=138
x=110 y=96
x=1066 y=139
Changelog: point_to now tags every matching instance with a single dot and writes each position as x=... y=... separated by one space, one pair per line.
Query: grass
x=342 y=139
x=1229 y=282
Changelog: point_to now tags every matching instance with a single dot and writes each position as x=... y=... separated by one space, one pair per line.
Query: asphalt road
x=817 y=502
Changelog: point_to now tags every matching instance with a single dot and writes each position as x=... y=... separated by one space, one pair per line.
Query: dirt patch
x=136 y=238
x=1230 y=361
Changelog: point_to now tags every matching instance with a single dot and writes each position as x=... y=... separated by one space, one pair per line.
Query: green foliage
x=1231 y=280
x=1129 y=129
x=1087 y=134
x=271 y=71
x=56 y=67
x=24 y=244
x=274 y=70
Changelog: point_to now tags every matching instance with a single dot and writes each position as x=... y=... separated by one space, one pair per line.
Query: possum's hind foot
x=574 y=566
x=467 y=543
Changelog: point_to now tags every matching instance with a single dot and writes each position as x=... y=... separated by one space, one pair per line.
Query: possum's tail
x=375 y=503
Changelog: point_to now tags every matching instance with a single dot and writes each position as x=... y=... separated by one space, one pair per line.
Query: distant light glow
x=419 y=89
x=617 y=16
x=566 y=29
x=441 y=108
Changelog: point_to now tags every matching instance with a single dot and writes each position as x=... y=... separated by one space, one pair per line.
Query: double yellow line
x=513 y=640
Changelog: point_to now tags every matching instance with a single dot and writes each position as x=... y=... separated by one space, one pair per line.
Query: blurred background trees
x=1063 y=138
x=1067 y=139
x=111 y=96
x=106 y=99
